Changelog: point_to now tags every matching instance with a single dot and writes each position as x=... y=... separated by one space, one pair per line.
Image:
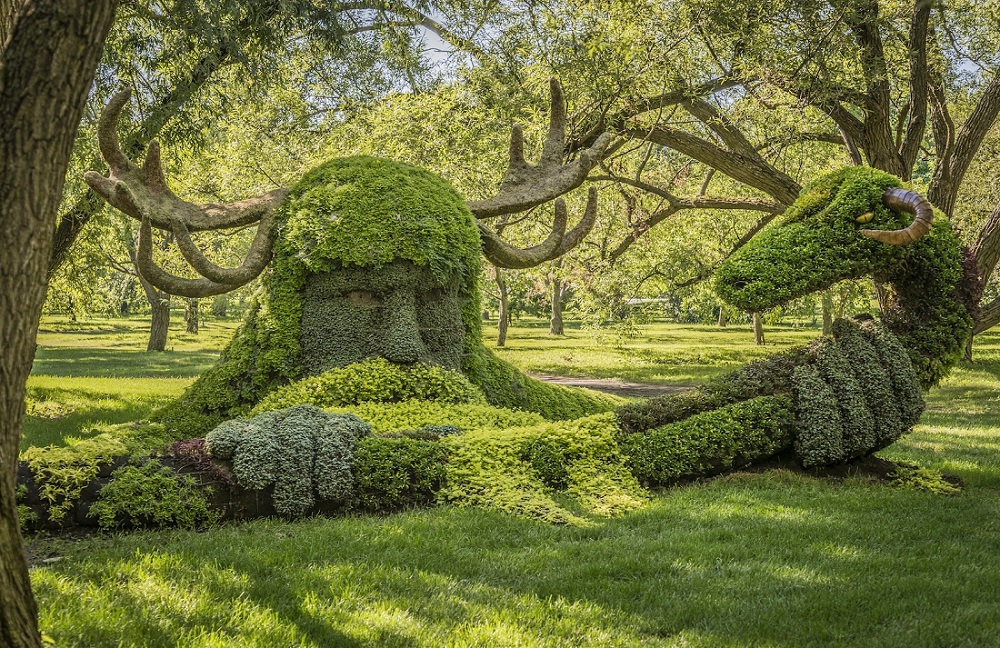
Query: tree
x=50 y=54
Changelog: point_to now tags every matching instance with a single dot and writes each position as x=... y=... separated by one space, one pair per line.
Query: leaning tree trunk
x=556 y=320
x=50 y=53
x=190 y=315
x=758 y=330
x=503 y=318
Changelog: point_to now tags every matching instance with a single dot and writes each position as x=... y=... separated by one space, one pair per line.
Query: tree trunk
x=50 y=53
x=882 y=295
x=723 y=320
x=758 y=330
x=159 y=322
x=556 y=320
x=827 y=301
x=503 y=318
x=191 y=316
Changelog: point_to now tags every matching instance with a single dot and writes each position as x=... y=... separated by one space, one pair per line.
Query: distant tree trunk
x=191 y=315
x=503 y=317
x=882 y=296
x=723 y=317
x=758 y=330
x=49 y=51
x=159 y=304
x=827 y=312
x=556 y=320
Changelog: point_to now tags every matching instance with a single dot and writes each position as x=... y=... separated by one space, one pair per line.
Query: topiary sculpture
x=859 y=391
x=368 y=259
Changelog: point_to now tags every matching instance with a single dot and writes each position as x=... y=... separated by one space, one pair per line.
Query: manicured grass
x=750 y=559
x=665 y=354
x=92 y=372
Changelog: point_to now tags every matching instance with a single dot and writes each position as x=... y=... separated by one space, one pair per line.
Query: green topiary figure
x=365 y=259
x=861 y=390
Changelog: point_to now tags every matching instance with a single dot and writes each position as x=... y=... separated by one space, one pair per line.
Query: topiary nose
x=401 y=340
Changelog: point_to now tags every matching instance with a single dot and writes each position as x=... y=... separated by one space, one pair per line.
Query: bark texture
x=46 y=69
x=556 y=326
x=758 y=330
x=503 y=318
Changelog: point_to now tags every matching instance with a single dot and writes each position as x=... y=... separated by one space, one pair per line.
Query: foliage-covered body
x=859 y=391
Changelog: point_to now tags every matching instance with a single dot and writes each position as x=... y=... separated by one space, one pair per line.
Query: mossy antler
x=142 y=193
x=528 y=185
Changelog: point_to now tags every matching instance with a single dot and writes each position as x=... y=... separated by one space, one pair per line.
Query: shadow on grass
x=68 y=361
x=765 y=559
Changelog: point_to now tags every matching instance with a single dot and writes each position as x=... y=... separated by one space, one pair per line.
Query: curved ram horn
x=899 y=200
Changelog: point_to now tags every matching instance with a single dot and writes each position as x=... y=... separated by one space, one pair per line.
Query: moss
x=303 y=451
x=711 y=442
x=152 y=493
x=923 y=479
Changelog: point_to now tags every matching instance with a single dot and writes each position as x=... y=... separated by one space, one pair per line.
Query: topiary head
x=828 y=235
x=374 y=259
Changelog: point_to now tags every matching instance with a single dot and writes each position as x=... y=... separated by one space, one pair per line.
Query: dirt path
x=612 y=386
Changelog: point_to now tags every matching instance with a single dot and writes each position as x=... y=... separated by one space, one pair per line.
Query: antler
x=905 y=200
x=528 y=185
x=557 y=243
x=142 y=193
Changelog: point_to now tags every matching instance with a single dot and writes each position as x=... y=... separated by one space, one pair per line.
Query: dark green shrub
x=819 y=432
x=908 y=396
x=874 y=380
x=856 y=418
x=396 y=473
x=711 y=442
x=152 y=493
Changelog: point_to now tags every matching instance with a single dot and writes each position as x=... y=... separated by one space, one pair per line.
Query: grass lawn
x=774 y=559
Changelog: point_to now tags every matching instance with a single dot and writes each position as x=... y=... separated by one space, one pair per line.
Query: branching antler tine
x=576 y=235
x=107 y=133
x=555 y=143
x=171 y=284
x=152 y=169
x=256 y=260
x=504 y=255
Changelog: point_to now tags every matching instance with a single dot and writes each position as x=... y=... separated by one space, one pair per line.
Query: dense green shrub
x=387 y=418
x=396 y=473
x=305 y=452
x=711 y=442
x=856 y=417
x=817 y=243
x=507 y=470
x=819 y=438
x=767 y=377
x=152 y=493
x=874 y=380
x=908 y=396
x=374 y=380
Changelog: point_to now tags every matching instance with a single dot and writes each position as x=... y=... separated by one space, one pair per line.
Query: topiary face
x=400 y=312
x=373 y=259
x=817 y=244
